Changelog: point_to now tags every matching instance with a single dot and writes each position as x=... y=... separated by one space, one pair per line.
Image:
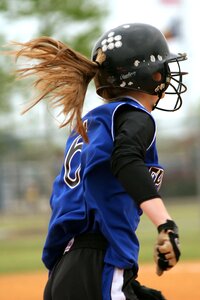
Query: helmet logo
x=125 y=77
x=128 y=75
x=113 y=41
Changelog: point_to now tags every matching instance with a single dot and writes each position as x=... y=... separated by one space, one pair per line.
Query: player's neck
x=148 y=101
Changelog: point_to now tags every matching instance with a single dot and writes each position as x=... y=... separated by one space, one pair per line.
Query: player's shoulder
x=102 y=110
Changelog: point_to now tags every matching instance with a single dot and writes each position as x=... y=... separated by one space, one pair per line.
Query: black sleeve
x=134 y=131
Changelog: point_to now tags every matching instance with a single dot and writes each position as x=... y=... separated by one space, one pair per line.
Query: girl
x=110 y=174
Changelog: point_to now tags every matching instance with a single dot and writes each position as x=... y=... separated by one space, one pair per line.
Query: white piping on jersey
x=117 y=284
x=142 y=108
x=112 y=125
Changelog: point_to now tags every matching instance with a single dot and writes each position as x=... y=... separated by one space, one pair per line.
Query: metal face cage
x=174 y=82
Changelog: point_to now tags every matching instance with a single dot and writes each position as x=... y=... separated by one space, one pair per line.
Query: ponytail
x=62 y=77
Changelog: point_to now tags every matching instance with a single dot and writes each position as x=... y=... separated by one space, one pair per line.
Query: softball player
x=111 y=173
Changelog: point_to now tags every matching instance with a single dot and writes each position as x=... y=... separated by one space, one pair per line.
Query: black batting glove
x=167 y=251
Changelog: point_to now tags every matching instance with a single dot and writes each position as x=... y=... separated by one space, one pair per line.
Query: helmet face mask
x=174 y=84
x=134 y=53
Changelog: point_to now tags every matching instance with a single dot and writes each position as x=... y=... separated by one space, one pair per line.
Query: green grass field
x=22 y=237
x=21 y=242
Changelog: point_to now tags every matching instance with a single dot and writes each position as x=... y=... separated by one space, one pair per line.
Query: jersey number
x=72 y=163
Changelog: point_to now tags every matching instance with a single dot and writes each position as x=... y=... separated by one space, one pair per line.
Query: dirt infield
x=181 y=283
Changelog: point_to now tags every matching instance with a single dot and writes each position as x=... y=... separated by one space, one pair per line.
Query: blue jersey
x=87 y=197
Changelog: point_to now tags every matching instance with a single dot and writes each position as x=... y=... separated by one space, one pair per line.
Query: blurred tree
x=76 y=22
x=6 y=80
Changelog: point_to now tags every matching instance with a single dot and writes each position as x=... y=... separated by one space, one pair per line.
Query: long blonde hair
x=62 y=76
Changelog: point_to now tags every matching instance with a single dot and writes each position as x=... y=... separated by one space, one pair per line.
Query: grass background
x=187 y=216
x=22 y=237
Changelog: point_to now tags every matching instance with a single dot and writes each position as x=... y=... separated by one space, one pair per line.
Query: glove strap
x=169 y=225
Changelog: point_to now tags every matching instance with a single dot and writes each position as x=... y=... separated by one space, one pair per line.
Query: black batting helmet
x=134 y=53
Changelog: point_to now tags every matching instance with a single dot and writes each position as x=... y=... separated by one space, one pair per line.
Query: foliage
x=5 y=82
x=76 y=22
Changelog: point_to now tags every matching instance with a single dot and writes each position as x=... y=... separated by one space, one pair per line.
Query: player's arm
x=134 y=131
x=156 y=211
x=166 y=252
